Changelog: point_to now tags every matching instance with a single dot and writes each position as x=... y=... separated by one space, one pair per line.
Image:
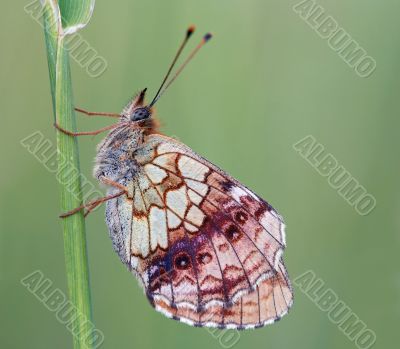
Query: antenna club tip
x=190 y=30
x=207 y=37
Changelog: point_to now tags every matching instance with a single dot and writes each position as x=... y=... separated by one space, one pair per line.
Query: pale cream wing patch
x=163 y=201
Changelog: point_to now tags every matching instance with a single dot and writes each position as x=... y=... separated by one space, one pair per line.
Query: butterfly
x=206 y=250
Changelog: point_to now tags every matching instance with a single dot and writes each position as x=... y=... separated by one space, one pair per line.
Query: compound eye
x=140 y=114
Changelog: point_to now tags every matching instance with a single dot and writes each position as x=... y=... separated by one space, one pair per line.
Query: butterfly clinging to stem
x=206 y=250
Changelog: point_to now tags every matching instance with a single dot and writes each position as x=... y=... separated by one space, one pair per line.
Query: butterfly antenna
x=189 y=33
x=161 y=91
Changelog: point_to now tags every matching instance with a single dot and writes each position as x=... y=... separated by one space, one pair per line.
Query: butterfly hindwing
x=206 y=249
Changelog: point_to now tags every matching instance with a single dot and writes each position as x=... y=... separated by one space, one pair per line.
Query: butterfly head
x=140 y=113
x=137 y=110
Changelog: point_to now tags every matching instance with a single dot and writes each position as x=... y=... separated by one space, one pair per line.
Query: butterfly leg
x=90 y=206
x=91 y=113
x=75 y=134
x=93 y=204
x=112 y=183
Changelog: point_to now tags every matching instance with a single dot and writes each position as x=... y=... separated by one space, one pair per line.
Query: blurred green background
x=263 y=83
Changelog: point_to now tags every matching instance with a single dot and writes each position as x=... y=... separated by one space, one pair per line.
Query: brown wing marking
x=270 y=300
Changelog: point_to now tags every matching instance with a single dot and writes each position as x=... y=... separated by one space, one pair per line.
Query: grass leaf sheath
x=57 y=24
